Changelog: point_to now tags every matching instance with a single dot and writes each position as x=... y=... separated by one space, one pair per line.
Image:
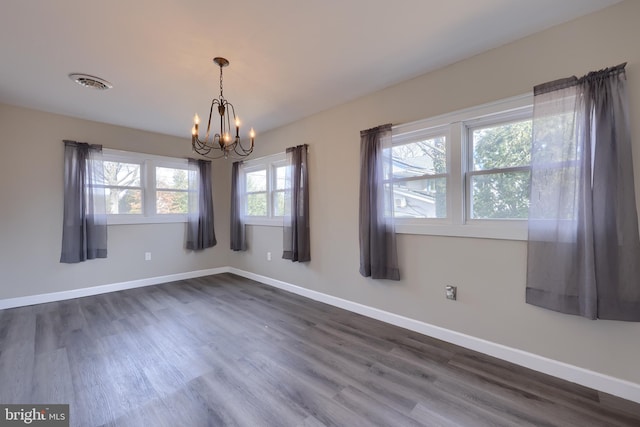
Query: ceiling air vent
x=92 y=82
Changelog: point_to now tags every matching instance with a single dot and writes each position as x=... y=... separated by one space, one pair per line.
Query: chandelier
x=222 y=140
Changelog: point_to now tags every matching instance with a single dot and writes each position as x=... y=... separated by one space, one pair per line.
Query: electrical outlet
x=451 y=292
x=147 y=256
x=268 y=256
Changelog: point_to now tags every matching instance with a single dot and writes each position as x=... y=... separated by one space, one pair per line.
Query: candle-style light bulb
x=196 y=121
x=252 y=135
x=237 y=127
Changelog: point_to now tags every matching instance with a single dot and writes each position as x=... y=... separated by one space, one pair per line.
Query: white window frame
x=270 y=164
x=458 y=124
x=148 y=164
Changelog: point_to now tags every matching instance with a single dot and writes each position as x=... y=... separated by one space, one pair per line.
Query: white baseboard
x=608 y=384
x=103 y=289
x=595 y=380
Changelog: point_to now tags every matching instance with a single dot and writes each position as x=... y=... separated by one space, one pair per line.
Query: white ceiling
x=289 y=58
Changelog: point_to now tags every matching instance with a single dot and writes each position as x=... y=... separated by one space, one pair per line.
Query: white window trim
x=147 y=177
x=458 y=123
x=268 y=163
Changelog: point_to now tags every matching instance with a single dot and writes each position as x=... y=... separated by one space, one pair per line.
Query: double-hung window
x=171 y=189
x=419 y=174
x=144 y=188
x=499 y=168
x=263 y=184
x=123 y=180
x=465 y=173
x=256 y=192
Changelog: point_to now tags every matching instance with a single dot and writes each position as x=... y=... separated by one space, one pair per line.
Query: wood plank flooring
x=223 y=350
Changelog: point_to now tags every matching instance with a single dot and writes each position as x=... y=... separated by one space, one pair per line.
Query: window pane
x=281 y=176
x=171 y=202
x=420 y=158
x=500 y=195
x=424 y=198
x=257 y=204
x=122 y=174
x=123 y=201
x=257 y=180
x=278 y=203
x=171 y=178
x=502 y=146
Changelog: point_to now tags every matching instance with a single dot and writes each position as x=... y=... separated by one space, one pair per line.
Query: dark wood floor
x=223 y=350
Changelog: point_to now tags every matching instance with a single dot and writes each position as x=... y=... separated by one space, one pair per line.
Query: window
x=142 y=188
x=172 y=190
x=499 y=169
x=419 y=174
x=123 y=187
x=465 y=173
x=256 y=193
x=263 y=181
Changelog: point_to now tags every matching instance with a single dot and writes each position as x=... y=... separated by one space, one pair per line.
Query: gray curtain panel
x=200 y=232
x=84 y=230
x=238 y=239
x=296 y=233
x=584 y=248
x=378 y=252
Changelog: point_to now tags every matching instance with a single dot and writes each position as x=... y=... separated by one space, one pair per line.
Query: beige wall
x=490 y=274
x=31 y=195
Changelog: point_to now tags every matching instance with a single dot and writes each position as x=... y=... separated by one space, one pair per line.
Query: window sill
x=504 y=230
x=139 y=219
x=269 y=222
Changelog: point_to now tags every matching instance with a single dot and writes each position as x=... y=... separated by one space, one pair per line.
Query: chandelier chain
x=221 y=96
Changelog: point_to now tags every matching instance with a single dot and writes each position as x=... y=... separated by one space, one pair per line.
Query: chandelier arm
x=235 y=155
x=214 y=157
x=246 y=151
x=228 y=128
x=233 y=110
x=200 y=142
x=197 y=142
x=205 y=147
x=213 y=102
x=200 y=147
